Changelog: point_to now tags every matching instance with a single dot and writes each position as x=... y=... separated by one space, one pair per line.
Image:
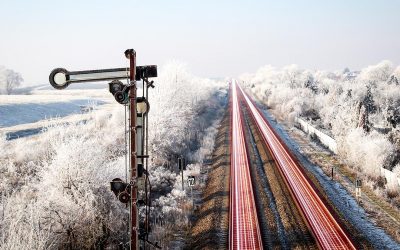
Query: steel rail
x=327 y=231
x=244 y=230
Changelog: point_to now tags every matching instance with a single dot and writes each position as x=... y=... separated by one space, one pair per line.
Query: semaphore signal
x=126 y=192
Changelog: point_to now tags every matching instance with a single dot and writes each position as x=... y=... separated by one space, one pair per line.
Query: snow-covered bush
x=166 y=180
x=361 y=110
x=62 y=176
x=369 y=151
x=54 y=187
x=180 y=109
x=185 y=112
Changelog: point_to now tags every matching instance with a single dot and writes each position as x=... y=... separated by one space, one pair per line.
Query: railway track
x=244 y=230
x=281 y=192
x=284 y=227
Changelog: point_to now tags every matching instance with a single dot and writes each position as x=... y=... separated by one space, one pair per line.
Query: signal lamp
x=124 y=197
x=121 y=190
x=118 y=186
x=142 y=105
x=115 y=86
x=119 y=91
x=121 y=97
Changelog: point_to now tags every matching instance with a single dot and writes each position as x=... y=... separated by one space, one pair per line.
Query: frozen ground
x=16 y=114
x=352 y=212
x=27 y=111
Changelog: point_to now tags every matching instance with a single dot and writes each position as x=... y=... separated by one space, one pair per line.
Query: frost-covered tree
x=2 y=80
x=359 y=109
x=178 y=99
x=9 y=80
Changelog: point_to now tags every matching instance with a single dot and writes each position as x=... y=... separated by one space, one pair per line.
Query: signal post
x=125 y=94
x=134 y=213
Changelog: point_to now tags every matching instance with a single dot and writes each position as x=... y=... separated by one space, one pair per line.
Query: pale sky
x=216 y=38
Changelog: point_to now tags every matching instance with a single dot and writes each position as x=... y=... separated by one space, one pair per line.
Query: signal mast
x=138 y=107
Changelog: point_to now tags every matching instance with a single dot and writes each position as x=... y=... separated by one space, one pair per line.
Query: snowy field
x=27 y=112
x=16 y=114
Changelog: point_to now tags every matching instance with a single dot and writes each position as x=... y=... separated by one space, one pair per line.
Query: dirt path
x=211 y=220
